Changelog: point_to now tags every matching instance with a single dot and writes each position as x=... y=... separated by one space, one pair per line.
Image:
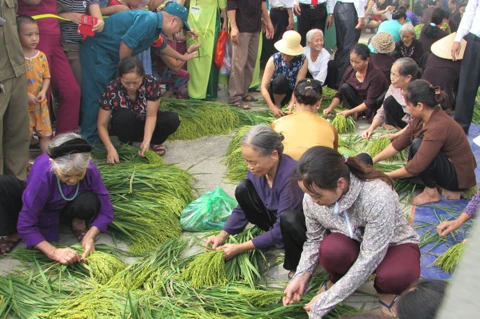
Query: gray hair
x=311 y=33
x=406 y=67
x=263 y=140
x=70 y=162
x=407 y=27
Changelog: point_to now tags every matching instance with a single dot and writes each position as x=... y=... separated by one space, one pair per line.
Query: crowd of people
x=100 y=68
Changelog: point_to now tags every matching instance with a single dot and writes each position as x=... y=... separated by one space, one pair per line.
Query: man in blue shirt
x=125 y=33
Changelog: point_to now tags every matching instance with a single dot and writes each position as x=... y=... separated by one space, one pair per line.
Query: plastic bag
x=208 y=212
x=220 y=48
x=227 y=59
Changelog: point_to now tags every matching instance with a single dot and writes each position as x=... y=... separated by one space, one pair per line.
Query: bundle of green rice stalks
x=260 y=297
x=374 y=148
x=344 y=124
x=469 y=193
x=103 y=266
x=236 y=169
x=201 y=118
x=247 y=267
x=126 y=153
x=145 y=196
x=207 y=269
x=448 y=261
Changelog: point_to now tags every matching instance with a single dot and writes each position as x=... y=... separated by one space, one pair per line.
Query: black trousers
x=311 y=18
x=351 y=99
x=280 y=85
x=11 y=190
x=129 y=129
x=346 y=19
x=85 y=206
x=292 y=223
x=468 y=83
x=441 y=171
x=279 y=19
x=393 y=112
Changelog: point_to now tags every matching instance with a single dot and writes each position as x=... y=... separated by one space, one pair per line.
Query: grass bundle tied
x=374 y=148
x=202 y=118
x=236 y=169
x=344 y=124
x=448 y=261
x=103 y=266
x=207 y=269
x=145 y=196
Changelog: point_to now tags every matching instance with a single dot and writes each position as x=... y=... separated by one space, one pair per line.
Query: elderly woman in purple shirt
x=268 y=198
x=64 y=181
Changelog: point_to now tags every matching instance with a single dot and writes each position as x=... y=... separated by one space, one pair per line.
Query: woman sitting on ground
x=432 y=31
x=383 y=59
x=392 y=27
x=408 y=47
x=318 y=57
x=305 y=128
x=63 y=182
x=363 y=85
x=130 y=102
x=393 y=113
x=355 y=228
x=282 y=71
x=268 y=198
x=375 y=13
x=439 y=153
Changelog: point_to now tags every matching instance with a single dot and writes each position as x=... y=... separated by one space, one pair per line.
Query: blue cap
x=179 y=11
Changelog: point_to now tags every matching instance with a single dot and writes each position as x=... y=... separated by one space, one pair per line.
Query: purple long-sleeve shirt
x=283 y=196
x=473 y=206
x=39 y=218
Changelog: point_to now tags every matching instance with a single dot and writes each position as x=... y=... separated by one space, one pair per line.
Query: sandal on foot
x=80 y=233
x=389 y=312
x=249 y=98
x=160 y=149
x=6 y=245
x=241 y=105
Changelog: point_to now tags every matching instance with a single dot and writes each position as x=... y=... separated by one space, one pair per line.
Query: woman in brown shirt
x=363 y=85
x=439 y=154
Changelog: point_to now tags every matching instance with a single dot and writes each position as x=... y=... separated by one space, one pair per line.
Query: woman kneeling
x=439 y=153
x=267 y=198
x=130 y=103
x=63 y=182
x=355 y=227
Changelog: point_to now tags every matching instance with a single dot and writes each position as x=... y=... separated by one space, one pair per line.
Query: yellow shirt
x=303 y=130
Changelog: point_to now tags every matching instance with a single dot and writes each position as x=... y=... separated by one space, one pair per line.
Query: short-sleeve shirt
x=68 y=28
x=290 y=72
x=116 y=96
x=248 y=14
x=37 y=71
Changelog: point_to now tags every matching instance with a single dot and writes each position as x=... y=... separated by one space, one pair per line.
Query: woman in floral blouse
x=355 y=228
x=282 y=71
x=130 y=102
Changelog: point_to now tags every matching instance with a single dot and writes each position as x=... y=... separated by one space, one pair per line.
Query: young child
x=38 y=80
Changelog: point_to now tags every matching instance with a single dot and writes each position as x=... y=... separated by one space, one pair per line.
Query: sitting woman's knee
x=243 y=187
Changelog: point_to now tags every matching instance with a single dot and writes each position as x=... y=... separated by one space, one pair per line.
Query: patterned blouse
x=369 y=213
x=289 y=72
x=115 y=96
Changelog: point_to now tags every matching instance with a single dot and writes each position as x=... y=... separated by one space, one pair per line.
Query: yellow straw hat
x=290 y=43
x=442 y=48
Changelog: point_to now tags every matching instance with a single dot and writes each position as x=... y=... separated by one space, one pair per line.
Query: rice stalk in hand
x=207 y=269
x=103 y=266
x=448 y=261
x=374 y=148
x=344 y=124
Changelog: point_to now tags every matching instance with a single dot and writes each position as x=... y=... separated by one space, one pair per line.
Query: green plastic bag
x=208 y=212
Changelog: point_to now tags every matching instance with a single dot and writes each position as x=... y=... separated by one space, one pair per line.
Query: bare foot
x=429 y=195
x=451 y=195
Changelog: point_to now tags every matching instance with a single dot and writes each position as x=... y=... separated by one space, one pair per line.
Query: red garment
x=114 y=3
x=47 y=25
x=314 y=2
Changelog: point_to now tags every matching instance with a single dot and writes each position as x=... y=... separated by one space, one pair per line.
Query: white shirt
x=281 y=3
x=319 y=68
x=359 y=6
x=470 y=21
x=309 y=2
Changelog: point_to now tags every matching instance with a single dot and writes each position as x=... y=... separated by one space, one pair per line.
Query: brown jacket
x=441 y=134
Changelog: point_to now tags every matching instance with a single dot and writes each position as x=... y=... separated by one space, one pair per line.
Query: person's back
x=303 y=130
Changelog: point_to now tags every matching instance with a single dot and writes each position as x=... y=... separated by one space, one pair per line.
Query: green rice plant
x=103 y=266
x=448 y=261
x=236 y=169
x=207 y=269
x=469 y=193
x=376 y=146
x=344 y=124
